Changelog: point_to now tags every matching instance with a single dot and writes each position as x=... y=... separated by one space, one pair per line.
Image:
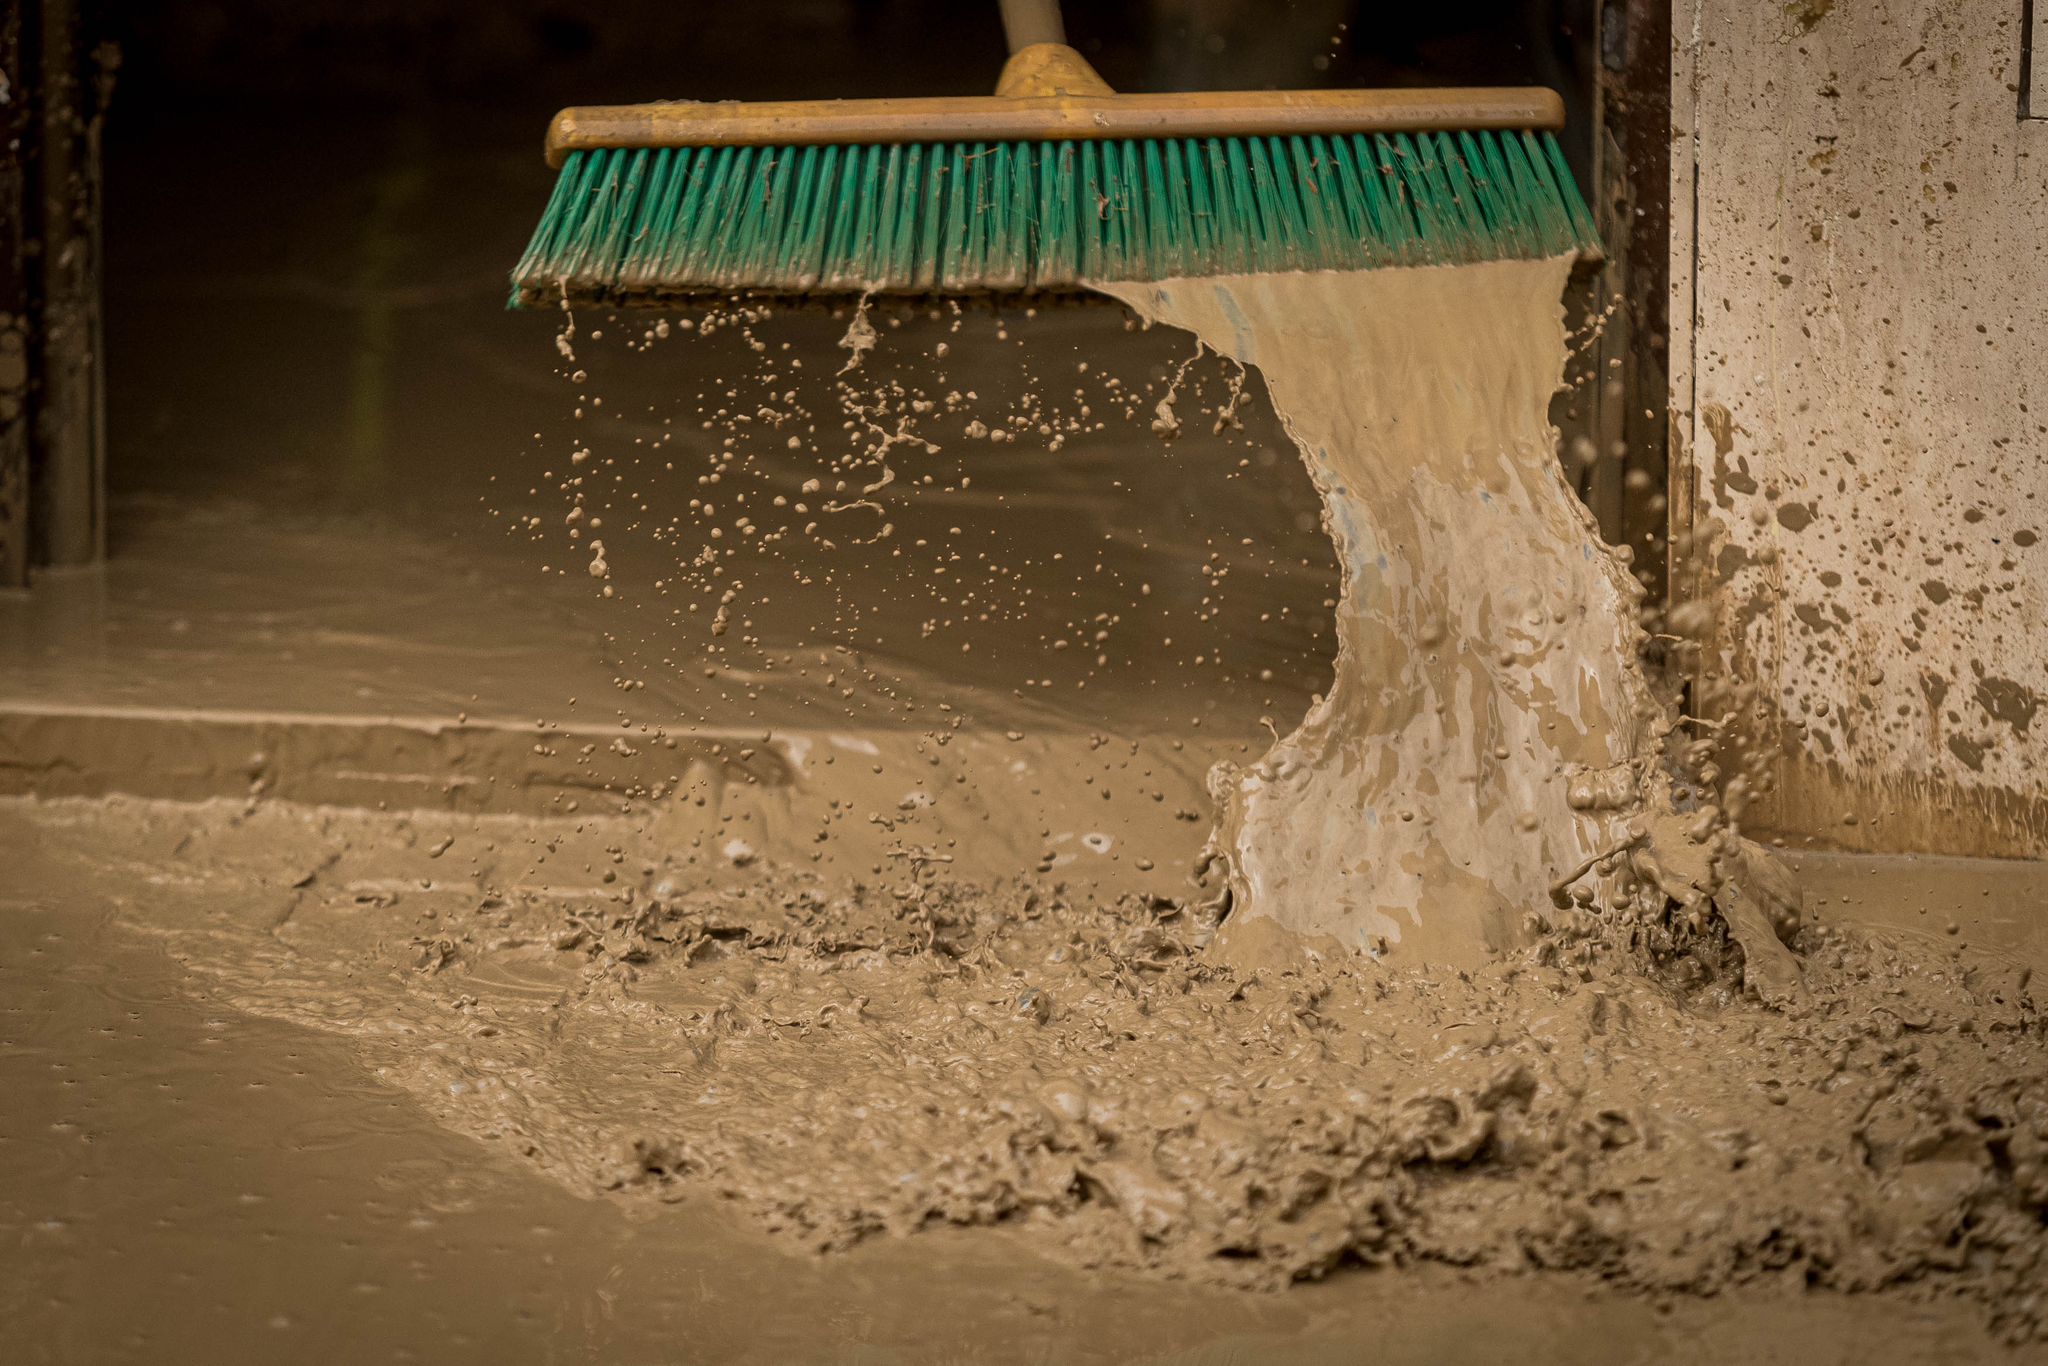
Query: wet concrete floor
x=182 y=1182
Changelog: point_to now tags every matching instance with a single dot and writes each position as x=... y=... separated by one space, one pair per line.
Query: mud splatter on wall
x=1860 y=254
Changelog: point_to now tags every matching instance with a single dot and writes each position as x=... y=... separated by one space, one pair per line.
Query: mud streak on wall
x=1860 y=254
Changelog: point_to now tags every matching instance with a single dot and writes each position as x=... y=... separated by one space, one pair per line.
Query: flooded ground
x=801 y=952
x=186 y=1180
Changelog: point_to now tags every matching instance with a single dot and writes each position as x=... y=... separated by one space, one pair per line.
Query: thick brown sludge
x=1031 y=782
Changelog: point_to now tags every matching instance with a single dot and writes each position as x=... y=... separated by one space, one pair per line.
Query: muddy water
x=741 y=1032
x=284 y=1080
x=1489 y=726
x=1585 y=1046
x=978 y=506
x=837 y=1064
x=181 y=1181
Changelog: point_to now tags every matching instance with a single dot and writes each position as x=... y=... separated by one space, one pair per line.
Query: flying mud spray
x=1495 y=983
x=1490 y=741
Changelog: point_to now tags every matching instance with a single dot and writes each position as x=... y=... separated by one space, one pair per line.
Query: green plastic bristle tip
x=640 y=225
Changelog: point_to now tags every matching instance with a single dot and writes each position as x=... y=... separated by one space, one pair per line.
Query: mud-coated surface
x=416 y=1060
x=1489 y=726
x=858 y=1040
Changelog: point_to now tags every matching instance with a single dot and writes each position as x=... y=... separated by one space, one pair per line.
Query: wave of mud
x=840 y=1061
x=1493 y=986
x=1489 y=725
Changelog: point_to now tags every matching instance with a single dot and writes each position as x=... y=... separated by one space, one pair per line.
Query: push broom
x=1053 y=181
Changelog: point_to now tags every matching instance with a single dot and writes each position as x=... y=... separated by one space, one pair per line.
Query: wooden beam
x=1632 y=207
x=14 y=302
x=1682 y=262
x=68 y=467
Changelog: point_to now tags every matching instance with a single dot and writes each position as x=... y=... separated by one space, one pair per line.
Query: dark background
x=311 y=206
x=444 y=51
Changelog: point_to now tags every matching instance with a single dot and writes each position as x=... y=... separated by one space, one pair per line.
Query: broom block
x=1051 y=118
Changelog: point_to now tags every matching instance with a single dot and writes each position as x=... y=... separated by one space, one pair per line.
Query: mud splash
x=1489 y=726
x=842 y=1053
x=839 y=1061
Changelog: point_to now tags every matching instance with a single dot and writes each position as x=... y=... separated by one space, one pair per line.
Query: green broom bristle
x=637 y=225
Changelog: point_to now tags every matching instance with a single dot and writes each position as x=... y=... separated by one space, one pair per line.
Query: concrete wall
x=1860 y=410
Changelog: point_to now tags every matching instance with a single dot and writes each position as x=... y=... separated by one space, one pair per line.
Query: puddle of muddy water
x=183 y=1180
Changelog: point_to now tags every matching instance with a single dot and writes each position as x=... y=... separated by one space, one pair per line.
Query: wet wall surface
x=1869 y=450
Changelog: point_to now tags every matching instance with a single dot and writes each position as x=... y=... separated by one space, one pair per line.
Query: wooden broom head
x=1049 y=93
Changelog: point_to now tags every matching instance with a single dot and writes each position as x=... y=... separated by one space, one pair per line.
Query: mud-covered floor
x=561 y=1029
x=188 y=1179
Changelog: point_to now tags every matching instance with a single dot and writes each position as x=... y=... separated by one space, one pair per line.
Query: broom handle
x=1026 y=22
x=1049 y=93
x=984 y=118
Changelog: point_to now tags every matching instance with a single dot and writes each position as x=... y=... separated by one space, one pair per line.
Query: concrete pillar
x=1859 y=262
